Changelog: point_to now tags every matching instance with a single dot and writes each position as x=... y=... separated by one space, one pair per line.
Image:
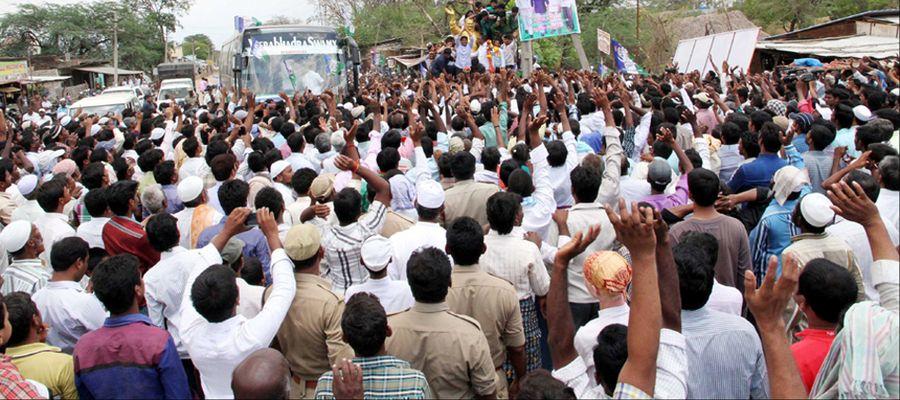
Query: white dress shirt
x=394 y=296
x=404 y=243
x=725 y=299
x=581 y=217
x=889 y=207
x=184 y=219
x=560 y=179
x=586 y=336
x=251 y=297
x=217 y=347
x=538 y=208
x=69 y=311
x=92 y=231
x=855 y=236
x=287 y=193
x=53 y=227
x=633 y=190
x=163 y=286
x=299 y=161
x=213 y=194
x=518 y=261
x=293 y=210
x=30 y=211
x=194 y=166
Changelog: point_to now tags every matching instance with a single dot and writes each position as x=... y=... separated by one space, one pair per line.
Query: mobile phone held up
x=251 y=220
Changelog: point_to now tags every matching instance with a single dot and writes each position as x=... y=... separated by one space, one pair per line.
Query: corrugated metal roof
x=856 y=46
x=869 y=14
x=108 y=70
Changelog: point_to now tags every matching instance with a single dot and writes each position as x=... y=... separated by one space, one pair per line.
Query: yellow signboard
x=13 y=70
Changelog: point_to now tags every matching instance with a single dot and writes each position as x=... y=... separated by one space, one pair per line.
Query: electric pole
x=637 y=23
x=115 y=50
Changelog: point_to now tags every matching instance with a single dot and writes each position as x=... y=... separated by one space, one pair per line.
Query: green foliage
x=199 y=45
x=776 y=16
x=82 y=30
x=403 y=20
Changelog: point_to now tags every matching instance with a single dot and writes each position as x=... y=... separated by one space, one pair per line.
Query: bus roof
x=104 y=99
x=289 y=28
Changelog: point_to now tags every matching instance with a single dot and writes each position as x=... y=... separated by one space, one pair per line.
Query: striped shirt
x=24 y=276
x=772 y=235
x=342 y=246
x=725 y=356
x=384 y=377
x=516 y=260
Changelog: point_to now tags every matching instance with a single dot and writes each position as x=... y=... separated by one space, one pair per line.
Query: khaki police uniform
x=310 y=336
x=448 y=348
x=494 y=304
x=468 y=199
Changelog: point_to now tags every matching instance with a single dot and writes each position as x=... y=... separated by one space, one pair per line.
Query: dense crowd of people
x=466 y=234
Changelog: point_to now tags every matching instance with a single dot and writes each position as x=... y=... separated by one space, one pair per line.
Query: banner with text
x=540 y=19
x=603 y=41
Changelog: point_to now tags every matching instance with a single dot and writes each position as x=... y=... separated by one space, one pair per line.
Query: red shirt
x=810 y=353
x=126 y=236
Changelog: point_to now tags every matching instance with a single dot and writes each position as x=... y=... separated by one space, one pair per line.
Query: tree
x=283 y=20
x=163 y=14
x=199 y=45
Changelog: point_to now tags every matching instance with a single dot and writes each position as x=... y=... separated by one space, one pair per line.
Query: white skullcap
x=429 y=194
x=157 y=133
x=527 y=88
x=103 y=121
x=95 y=129
x=26 y=124
x=824 y=111
x=277 y=168
x=27 y=184
x=816 y=210
x=240 y=114
x=475 y=106
x=15 y=235
x=357 y=111
x=376 y=253
x=65 y=120
x=190 y=188
x=862 y=113
x=347 y=106
x=41 y=110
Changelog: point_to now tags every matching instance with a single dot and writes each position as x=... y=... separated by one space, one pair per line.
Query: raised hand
x=768 y=301
x=577 y=245
x=852 y=203
x=635 y=228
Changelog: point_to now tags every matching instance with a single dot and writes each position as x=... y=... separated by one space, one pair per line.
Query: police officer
x=449 y=348
x=310 y=336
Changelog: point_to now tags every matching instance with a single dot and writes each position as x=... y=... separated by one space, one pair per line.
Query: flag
x=624 y=63
x=291 y=76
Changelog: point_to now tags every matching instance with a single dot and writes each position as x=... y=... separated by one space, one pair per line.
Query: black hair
x=707 y=242
x=462 y=165
x=233 y=194
x=364 y=324
x=828 y=288
x=67 y=251
x=750 y=144
x=502 y=209
x=21 y=314
x=506 y=169
x=866 y=181
x=662 y=150
x=556 y=153
x=585 y=184
x=49 y=194
x=114 y=280
x=295 y=142
x=520 y=182
x=541 y=385
x=347 y=205
x=391 y=139
x=252 y=271
x=695 y=275
x=119 y=194
x=490 y=158
x=6 y=168
x=215 y=293
x=867 y=135
x=96 y=256
x=191 y=147
x=428 y=274
x=759 y=118
x=215 y=149
x=843 y=116
x=770 y=136
x=387 y=159
x=890 y=172
x=465 y=241
x=445 y=166
x=610 y=355
x=703 y=185
x=731 y=133
x=165 y=172
x=222 y=166
x=149 y=159
x=302 y=180
x=270 y=198
x=820 y=136
x=162 y=232
x=99 y=155
x=256 y=161
x=120 y=167
x=92 y=175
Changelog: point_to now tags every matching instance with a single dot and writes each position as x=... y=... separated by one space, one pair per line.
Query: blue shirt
x=799 y=143
x=173 y=202
x=129 y=357
x=255 y=244
x=759 y=172
x=773 y=234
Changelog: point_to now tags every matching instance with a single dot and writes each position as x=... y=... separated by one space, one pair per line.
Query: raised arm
x=635 y=230
x=377 y=183
x=667 y=273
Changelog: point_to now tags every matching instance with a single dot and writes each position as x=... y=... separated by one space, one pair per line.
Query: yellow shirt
x=47 y=365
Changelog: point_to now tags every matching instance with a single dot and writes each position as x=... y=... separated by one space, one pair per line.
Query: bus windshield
x=290 y=62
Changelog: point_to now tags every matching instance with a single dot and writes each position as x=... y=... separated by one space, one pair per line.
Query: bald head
x=264 y=374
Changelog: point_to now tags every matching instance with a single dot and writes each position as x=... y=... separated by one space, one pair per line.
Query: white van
x=106 y=104
x=174 y=90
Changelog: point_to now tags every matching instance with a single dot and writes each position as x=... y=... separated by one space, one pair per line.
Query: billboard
x=736 y=47
x=540 y=19
x=603 y=41
x=13 y=70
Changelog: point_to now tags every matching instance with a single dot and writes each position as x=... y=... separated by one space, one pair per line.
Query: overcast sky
x=215 y=18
